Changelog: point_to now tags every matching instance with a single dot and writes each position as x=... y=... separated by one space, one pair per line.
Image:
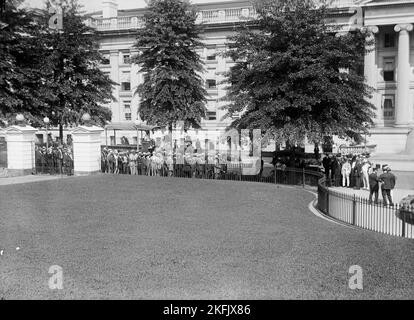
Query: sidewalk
x=28 y=179
x=397 y=194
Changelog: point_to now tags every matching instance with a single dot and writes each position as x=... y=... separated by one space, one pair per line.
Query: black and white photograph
x=206 y=154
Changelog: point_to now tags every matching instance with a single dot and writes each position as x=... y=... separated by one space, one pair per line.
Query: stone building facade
x=388 y=66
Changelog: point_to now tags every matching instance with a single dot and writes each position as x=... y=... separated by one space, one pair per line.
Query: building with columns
x=388 y=65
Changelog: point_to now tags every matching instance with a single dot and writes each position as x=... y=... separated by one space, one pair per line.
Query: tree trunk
x=61 y=133
x=170 y=130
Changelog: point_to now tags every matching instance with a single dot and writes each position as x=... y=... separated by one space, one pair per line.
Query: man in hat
x=327 y=163
x=373 y=185
x=365 y=176
x=49 y=160
x=133 y=157
x=388 y=183
x=59 y=159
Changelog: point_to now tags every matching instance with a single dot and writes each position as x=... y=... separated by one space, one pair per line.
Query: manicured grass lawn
x=168 y=238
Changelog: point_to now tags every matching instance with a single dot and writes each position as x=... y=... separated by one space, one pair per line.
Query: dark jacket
x=358 y=170
x=388 y=180
x=326 y=162
x=373 y=181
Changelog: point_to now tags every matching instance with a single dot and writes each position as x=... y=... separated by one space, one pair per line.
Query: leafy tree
x=74 y=82
x=294 y=78
x=20 y=56
x=52 y=73
x=173 y=89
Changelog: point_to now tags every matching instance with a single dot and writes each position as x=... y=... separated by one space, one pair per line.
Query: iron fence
x=229 y=171
x=52 y=162
x=393 y=219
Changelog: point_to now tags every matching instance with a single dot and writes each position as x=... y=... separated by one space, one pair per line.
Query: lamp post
x=366 y=125
x=46 y=121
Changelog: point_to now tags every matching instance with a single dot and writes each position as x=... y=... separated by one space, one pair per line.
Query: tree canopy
x=294 y=77
x=57 y=71
x=20 y=58
x=173 y=89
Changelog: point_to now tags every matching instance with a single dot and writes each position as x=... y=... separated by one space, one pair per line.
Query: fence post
x=403 y=221
x=354 y=209
x=303 y=177
x=274 y=172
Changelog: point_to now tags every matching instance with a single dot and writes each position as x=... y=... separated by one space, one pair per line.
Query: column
x=115 y=106
x=20 y=150
x=135 y=82
x=370 y=68
x=87 y=149
x=403 y=75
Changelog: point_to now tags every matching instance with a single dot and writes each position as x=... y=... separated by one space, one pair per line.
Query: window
x=389 y=40
x=211 y=57
x=211 y=84
x=211 y=115
x=127 y=110
x=388 y=106
x=235 y=115
x=389 y=66
x=126 y=58
x=125 y=86
x=105 y=59
x=210 y=53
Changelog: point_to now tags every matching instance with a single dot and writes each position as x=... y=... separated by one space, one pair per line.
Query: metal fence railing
x=230 y=171
x=394 y=219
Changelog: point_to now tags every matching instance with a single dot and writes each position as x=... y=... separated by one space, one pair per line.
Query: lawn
x=126 y=237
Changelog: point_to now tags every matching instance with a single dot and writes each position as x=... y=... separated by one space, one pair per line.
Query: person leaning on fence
x=388 y=183
x=373 y=185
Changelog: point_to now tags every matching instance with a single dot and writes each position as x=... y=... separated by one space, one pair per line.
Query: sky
x=96 y=5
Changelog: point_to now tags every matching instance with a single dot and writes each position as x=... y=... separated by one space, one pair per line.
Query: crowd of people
x=55 y=159
x=162 y=161
x=358 y=172
x=351 y=171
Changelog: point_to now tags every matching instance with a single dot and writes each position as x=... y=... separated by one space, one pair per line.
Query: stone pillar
x=87 y=150
x=109 y=8
x=135 y=82
x=115 y=105
x=370 y=68
x=403 y=75
x=20 y=150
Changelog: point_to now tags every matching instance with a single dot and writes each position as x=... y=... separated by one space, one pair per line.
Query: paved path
x=28 y=179
x=397 y=194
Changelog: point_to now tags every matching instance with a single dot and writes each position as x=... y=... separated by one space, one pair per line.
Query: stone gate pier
x=20 y=150
x=87 y=148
